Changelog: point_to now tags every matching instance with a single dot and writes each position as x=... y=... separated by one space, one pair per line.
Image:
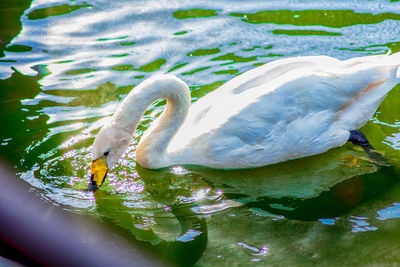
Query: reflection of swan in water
x=320 y=186
x=301 y=179
x=178 y=235
x=180 y=230
x=328 y=184
x=286 y=109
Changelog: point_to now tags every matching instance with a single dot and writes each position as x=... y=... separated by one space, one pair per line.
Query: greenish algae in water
x=194 y=13
x=153 y=66
x=18 y=48
x=329 y=18
x=231 y=72
x=80 y=71
x=54 y=11
x=181 y=33
x=177 y=66
x=123 y=68
x=306 y=32
x=127 y=43
x=204 y=52
x=195 y=71
x=234 y=58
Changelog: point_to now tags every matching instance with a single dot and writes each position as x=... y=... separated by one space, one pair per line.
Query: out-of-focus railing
x=51 y=236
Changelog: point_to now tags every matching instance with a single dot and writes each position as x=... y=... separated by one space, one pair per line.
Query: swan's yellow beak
x=99 y=172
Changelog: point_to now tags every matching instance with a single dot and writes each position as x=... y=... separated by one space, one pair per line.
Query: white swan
x=283 y=110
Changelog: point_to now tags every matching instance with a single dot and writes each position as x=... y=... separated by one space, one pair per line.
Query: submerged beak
x=99 y=172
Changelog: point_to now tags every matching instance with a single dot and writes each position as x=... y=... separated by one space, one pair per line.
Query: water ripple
x=71 y=64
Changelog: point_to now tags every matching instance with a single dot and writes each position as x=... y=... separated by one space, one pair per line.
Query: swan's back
x=283 y=110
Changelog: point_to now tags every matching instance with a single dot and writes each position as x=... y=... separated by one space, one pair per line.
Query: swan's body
x=283 y=110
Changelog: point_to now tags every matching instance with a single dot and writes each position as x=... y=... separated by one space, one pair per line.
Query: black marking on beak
x=92 y=186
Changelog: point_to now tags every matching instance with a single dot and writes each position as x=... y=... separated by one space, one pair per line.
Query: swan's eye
x=106 y=153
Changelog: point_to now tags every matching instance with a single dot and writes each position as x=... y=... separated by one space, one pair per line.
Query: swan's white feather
x=286 y=109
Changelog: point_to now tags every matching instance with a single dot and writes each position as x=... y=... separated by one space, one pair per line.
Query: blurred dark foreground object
x=50 y=236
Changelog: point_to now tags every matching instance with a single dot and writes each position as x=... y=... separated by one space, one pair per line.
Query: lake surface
x=65 y=66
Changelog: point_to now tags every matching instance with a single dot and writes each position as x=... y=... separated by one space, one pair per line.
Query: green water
x=65 y=66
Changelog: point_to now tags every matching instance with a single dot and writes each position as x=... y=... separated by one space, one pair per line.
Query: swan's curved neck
x=150 y=153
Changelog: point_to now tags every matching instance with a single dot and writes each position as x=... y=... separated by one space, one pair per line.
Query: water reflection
x=174 y=230
x=323 y=186
x=60 y=83
x=20 y=118
x=391 y=212
x=11 y=24
x=172 y=216
x=327 y=18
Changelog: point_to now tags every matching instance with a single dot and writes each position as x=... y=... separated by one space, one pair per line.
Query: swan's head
x=108 y=147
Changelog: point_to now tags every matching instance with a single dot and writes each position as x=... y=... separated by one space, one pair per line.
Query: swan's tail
x=398 y=73
x=386 y=60
x=380 y=74
x=394 y=59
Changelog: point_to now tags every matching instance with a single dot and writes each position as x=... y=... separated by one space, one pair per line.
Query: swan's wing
x=260 y=79
x=265 y=73
x=303 y=111
x=230 y=97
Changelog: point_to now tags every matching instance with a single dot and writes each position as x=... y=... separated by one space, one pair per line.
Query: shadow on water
x=322 y=186
x=340 y=199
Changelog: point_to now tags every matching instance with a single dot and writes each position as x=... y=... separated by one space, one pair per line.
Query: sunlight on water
x=68 y=64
